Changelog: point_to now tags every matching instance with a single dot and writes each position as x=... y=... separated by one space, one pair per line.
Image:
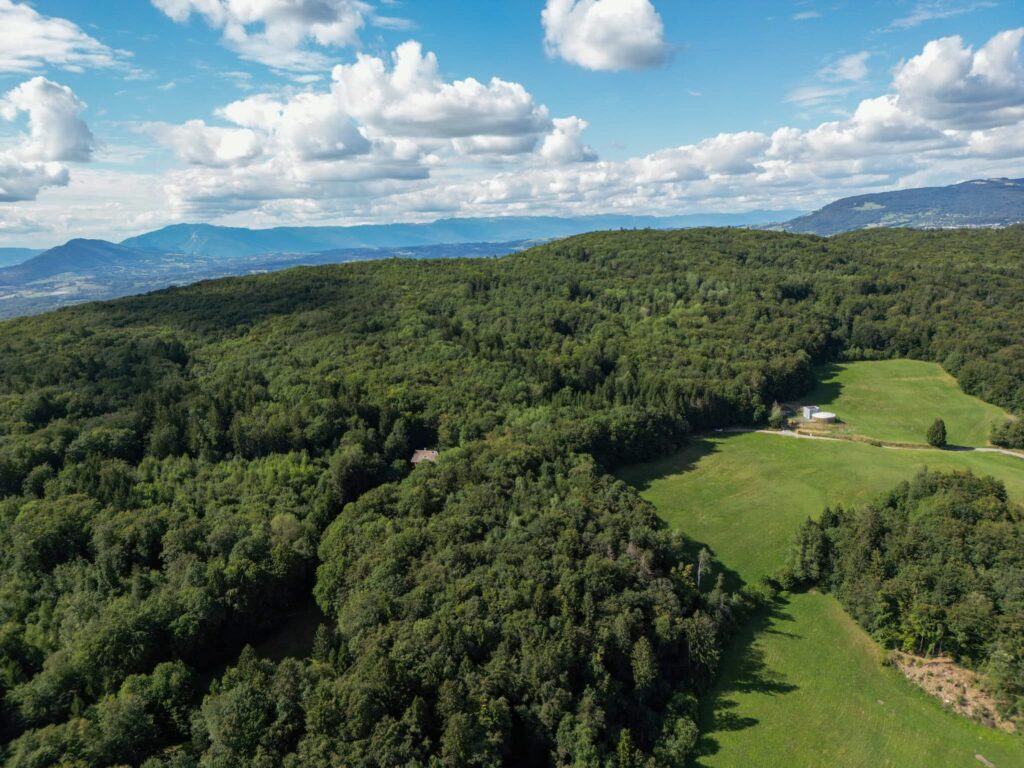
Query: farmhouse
x=424 y=455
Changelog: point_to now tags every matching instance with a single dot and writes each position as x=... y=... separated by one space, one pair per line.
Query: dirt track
x=878 y=443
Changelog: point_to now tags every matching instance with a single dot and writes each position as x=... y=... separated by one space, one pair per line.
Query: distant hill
x=12 y=256
x=229 y=242
x=75 y=256
x=978 y=203
x=87 y=270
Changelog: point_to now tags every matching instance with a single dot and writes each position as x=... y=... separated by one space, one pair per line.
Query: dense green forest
x=179 y=471
x=936 y=566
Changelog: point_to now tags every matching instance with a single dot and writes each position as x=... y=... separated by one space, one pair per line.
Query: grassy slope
x=803 y=686
x=896 y=400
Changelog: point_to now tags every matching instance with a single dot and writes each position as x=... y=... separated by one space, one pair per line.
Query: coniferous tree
x=937 y=434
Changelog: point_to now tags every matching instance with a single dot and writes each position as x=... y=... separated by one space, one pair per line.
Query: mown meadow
x=896 y=401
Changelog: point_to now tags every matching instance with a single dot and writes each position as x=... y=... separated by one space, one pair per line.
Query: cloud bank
x=381 y=123
x=391 y=139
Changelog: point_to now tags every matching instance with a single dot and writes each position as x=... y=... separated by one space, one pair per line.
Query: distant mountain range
x=86 y=270
x=978 y=203
x=83 y=270
x=79 y=257
x=229 y=242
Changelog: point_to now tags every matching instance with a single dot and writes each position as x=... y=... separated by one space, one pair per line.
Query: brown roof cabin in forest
x=424 y=455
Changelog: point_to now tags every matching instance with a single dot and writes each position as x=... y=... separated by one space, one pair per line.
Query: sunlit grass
x=896 y=400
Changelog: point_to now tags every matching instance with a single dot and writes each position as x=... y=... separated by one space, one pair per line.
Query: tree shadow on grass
x=828 y=389
x=958 y=448
x=731 y=580
x=744 y=668
x=744 y=671
x=643 y=476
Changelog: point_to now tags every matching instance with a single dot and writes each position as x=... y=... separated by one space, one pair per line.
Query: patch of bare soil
x=958 y=688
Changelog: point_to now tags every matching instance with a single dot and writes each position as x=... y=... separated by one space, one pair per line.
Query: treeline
x=179 y=470
x=1009 y=434
x=935 y=567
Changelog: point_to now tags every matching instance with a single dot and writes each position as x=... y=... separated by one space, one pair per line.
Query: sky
x=122 y=116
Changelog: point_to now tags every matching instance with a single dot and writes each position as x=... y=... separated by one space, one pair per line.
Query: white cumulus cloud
x=409 y=98
x=30 y=41
x=55 y=130
x=21 y=180
x=381 y=124
x=200 y=144
x=727 y=154
x=565 y=142
x=605 y=34
x=56 y=135
x=954 y=85
x=277 y=33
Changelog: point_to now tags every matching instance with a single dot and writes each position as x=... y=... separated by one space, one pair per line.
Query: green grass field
x=805 y=689
x=804 y=686
x=896 y=400
x=744 y=495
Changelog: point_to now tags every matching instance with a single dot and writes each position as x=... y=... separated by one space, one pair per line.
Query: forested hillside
x=178 y=471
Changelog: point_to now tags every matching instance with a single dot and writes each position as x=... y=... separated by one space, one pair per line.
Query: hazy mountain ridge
x=212 y=240
x=86 y=270
x=976 y=203
x=79 y=256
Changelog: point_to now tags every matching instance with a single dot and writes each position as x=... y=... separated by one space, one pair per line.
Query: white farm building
x=815 y=414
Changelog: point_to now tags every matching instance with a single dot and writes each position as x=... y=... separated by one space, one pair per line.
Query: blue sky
x=124 y=116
